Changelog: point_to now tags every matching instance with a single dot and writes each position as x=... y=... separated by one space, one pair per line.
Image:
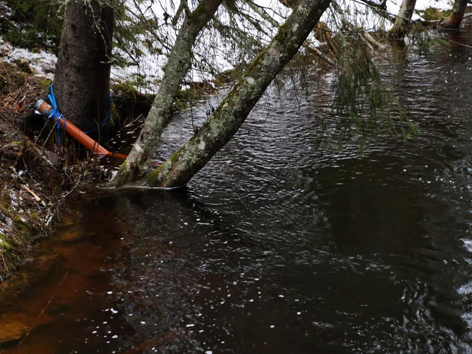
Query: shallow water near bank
x=276 y=247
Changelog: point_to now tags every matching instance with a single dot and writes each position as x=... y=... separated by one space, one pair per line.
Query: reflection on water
x=276 y=247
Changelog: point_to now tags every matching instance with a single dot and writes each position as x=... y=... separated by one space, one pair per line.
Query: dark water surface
x=277 y=247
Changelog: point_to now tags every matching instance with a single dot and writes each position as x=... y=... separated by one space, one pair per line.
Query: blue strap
x=56 y=114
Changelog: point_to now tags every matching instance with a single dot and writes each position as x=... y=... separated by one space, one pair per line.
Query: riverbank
x=35 y=175
x=28 y=201
x=258 y=253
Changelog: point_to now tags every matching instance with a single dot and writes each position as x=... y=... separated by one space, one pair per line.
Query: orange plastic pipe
x=44 y=108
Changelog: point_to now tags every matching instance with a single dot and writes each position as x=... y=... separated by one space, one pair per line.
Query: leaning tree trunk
x=82 y=81
x=234 y=109
x=402 y=21
x=456 y=16
x=178 y=65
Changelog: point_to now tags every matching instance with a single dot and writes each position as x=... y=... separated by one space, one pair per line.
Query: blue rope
x=56 y=114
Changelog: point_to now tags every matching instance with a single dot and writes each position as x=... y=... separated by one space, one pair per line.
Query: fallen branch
x=321 y=55
x=461 y=44
x=365 y=37
x=35 y=196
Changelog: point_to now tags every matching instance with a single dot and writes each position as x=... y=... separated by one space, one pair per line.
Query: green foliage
x=196 y=91
x=362 y=103
x=133 y=31
x=433 y=14
x=425 y=40
x=45 y=84
x=228 y=76
x=38 y=24
x=10 y=77
x=125 y=91
x=124 y=96
x=4 y=245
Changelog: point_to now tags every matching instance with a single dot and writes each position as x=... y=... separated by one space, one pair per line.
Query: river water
x=277 y=246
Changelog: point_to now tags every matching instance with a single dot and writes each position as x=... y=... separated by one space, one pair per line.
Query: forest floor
x=34 y=176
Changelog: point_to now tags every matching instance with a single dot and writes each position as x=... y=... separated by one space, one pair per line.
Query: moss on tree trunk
x=402 y=21
x=232 y=112
x=178 y=65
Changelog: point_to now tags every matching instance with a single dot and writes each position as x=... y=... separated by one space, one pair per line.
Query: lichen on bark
x=232 y=112
x=179 y=62
x=402 y=21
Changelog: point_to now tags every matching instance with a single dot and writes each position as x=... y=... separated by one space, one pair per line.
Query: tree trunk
x=402 y=21
x=456 y=16
x=232 y=112
x=82 y=81
x=178 y=65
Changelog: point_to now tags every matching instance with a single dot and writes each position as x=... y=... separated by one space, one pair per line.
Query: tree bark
x=380 y=9
x=402 y=21
x=232 y=112
x=82 y=81
x=178 y=65
x=456 y=16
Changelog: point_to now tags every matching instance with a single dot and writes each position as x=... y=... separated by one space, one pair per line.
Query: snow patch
x=465 y=289
x=42 y=62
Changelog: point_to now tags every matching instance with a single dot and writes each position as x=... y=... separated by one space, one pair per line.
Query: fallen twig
x=461 y=44
x=321 y=55
x=35 y=196
x=43 y=310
